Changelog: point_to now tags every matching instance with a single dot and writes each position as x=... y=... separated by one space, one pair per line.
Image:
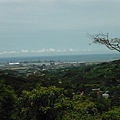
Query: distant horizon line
x=24 y=56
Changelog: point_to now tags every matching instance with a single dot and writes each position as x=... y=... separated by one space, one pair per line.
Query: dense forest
x=76 y=93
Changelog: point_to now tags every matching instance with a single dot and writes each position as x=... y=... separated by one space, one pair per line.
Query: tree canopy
x=79 y=96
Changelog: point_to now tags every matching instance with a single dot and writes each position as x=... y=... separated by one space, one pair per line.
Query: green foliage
x=42 y=103
x=56 y=95
x=7 y=101
x=83 y=109
x=102 y=104
x=113 y=114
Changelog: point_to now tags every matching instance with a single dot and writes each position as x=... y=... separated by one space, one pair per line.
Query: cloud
x=8 y=52
x=72 y=50
x=43 y=50
x=46 y=52
x=38 y=51
x=60 y=14
x=69 y=50
x=24 y=51
x=51 y=50
x=62 y=50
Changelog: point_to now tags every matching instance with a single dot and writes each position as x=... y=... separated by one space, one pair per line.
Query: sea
x=65 y=58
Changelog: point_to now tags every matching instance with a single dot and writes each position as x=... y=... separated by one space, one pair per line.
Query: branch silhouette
x=102 y=38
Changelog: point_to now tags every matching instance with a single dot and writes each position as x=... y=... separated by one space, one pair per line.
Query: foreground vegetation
x=64 y=94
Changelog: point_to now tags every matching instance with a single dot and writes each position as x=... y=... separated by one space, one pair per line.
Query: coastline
x=64 y=58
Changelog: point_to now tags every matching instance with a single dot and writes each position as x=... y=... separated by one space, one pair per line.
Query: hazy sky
x=56 y=27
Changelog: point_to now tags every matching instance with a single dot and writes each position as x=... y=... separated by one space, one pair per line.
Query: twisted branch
x=112 y=44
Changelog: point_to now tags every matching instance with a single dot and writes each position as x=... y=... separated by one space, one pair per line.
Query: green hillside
x=75 y=93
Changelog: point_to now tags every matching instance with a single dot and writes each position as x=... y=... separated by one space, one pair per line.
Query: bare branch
x=112 y=44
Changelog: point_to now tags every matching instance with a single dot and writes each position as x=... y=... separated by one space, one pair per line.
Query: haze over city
x=56 y=27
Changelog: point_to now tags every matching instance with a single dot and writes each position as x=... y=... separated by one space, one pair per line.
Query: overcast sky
x=56 y=27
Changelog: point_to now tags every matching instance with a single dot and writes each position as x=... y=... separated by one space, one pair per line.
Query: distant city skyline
x=56 y=27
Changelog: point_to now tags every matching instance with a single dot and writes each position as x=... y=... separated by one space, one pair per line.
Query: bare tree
x=112 y=44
